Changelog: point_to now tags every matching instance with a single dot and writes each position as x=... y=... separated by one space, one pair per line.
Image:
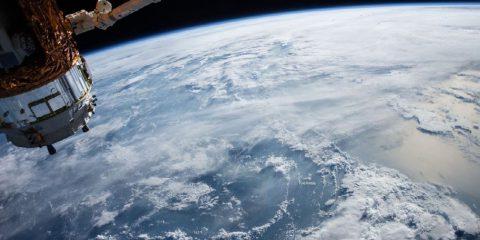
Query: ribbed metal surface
x=46 y=101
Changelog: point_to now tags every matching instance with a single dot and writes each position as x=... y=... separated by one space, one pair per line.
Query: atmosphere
x=177 y=14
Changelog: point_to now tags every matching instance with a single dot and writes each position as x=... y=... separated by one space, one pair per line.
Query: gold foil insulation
x=54 y=35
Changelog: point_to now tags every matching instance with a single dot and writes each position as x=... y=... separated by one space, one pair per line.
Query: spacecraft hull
x=44 y=82
x=50 y=113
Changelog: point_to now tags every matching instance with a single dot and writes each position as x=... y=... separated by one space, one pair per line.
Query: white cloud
x=172 y=114
x=384 y=204
x=104 y=218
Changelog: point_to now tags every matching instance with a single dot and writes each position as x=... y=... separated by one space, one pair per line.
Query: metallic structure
x=103 y=16
x=45 y=84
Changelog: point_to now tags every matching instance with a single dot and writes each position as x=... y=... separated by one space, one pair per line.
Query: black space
x=175 y=14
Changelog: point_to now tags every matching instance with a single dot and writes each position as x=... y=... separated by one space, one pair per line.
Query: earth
x=353 y=123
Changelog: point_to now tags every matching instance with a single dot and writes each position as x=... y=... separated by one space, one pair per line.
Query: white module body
x=50 y=113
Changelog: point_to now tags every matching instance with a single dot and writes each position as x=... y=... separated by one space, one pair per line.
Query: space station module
x=45 y=83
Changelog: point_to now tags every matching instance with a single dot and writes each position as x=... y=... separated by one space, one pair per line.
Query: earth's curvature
x=358 y=123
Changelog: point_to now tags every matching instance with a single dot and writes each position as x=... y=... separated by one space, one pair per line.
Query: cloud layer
x=237 y=131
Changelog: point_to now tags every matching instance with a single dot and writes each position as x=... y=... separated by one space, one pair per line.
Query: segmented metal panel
x=32 y=106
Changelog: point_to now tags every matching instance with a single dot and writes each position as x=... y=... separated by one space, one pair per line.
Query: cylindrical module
x=44 y=82
x=50 y=113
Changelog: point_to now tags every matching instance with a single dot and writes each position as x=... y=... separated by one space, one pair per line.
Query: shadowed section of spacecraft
x=45 y=84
